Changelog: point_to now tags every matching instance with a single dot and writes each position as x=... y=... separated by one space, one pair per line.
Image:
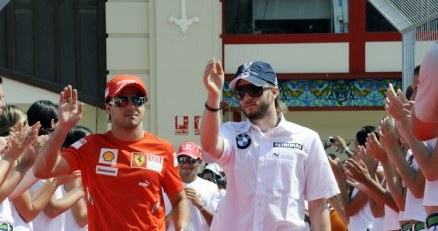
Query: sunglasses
x=186 y=160
x=123 y=101
x=252 y=90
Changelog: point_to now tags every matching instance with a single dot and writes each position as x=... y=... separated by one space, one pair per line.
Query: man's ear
x=276 y=92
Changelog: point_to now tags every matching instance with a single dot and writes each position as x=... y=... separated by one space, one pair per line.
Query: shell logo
x=108 y=156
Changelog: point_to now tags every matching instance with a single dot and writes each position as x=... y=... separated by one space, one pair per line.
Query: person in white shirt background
x=203 y=194
x=214 y=173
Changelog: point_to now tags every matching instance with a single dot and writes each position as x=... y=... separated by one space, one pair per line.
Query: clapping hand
x=375 y=148
x=31 y=152
x=357 y=171
x=20 y=139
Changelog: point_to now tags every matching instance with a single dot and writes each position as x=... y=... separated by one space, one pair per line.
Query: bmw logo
x=243 y=141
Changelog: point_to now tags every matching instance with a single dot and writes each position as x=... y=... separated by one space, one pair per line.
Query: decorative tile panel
x=328 y=93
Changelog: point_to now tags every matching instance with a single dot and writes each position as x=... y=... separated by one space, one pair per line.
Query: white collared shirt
x=269 y=175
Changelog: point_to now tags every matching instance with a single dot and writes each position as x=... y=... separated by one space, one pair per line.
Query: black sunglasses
x=186 y=160
x=252 y=90
x=123 y=101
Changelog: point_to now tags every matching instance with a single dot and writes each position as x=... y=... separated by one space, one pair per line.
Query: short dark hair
x=362 y=134
x=43 y=111
x=409 y=91
x=1 y=79
x=417 y=70
x=76 y=134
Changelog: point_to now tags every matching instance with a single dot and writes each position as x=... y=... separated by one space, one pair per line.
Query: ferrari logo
x=139 y=160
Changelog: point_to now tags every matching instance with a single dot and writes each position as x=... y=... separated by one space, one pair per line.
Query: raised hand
x=375 y=148
x=395 y=103
x=214 y=77
x=390 y=138
x=340 y=143
x=31 y=152
x=69 y=108
x=20 y=139
x=357 y=170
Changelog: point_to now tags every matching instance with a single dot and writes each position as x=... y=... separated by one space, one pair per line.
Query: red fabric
x=125 y=193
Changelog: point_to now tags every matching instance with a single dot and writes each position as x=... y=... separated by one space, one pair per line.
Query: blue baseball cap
x=258 y=73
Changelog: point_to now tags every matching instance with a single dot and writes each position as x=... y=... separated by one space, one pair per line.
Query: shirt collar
x=247 y=125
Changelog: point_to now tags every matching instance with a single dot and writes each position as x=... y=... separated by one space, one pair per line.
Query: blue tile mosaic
x=328 y=93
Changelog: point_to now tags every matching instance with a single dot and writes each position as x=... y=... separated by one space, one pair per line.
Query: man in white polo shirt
x=272 y=165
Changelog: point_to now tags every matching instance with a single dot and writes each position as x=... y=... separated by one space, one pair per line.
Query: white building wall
x=127 y=26
x=170 y=61
x=142 y=41
x=383 y=57
x=180 y=61
x=291 y=58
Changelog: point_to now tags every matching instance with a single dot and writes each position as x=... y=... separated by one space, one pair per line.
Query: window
x=50 y=44
x=375 y=22
x=285 y=16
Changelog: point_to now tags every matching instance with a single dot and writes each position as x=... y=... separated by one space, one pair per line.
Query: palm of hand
x=376 y=150
x=358 y=171
x=214 y=76
x=69 y=114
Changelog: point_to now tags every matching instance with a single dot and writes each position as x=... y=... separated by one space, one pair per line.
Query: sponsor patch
x=243 y=141
x=138 y=160
x=108 y=171
x=288 y=145
x=108 y=156
x=79 y=143
x=154 y=162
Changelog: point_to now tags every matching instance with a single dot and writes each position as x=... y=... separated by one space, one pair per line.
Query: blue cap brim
x=253 y=80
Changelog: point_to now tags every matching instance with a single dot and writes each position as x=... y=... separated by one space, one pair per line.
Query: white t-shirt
x=269 y=175
x=70 y=222
x=20 y=224
x=363 y=219
x=209 y=193
x=414 y=209
x=391 y=220
x=43 y=222
x=378 y=224
x=6 y=212
x=431 y=193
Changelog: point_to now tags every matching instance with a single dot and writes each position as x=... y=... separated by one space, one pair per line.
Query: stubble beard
x=260 y=113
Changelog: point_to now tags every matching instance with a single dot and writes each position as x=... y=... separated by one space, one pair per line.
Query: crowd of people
x=389 y=182
x=265 y=173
